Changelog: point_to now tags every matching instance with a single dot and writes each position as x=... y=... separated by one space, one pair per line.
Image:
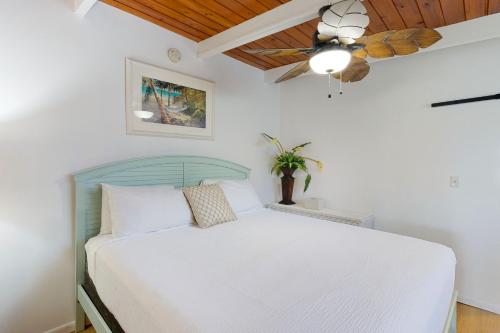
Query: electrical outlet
x=454 y=181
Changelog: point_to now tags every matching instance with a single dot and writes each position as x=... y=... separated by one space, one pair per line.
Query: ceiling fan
x=340 y=49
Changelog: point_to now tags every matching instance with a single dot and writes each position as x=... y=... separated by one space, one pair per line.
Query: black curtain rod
x=467 y=100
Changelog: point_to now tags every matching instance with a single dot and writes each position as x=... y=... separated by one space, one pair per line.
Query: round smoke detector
x=174 y=55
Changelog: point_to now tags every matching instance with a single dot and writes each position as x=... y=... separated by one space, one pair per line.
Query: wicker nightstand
x=360 y=220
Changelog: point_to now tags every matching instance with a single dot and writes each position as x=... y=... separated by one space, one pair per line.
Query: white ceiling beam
x=82 y=7
x=278 y=19
x=463 y=33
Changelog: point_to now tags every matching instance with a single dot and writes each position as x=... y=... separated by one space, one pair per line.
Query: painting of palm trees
x=173 y=104
x=161 y=102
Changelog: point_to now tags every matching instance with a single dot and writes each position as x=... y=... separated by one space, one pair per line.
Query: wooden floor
x=474 y=320
x=470 y=320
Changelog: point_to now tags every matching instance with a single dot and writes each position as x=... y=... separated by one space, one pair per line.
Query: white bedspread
x=273 y=272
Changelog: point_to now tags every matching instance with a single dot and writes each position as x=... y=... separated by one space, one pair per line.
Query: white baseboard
x=495 y=308
x=65 y=328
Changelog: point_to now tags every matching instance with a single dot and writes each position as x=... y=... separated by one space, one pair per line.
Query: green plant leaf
x=276 y=169
x=290 y=159
x=307 y=182
x=267 y=136
x=275 y=142
x=298 y=148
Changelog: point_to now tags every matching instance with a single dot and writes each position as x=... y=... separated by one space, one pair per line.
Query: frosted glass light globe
x=331 y=61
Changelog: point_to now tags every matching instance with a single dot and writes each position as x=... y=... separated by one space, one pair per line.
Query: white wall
x=62 y=110
x=387 y=152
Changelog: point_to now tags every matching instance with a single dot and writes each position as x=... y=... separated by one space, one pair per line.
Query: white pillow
x=239 y=193
x=106 y=224
x=134 y=209
x=105 y=213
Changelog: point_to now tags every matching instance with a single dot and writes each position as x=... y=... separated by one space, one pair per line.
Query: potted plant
x=286 y=162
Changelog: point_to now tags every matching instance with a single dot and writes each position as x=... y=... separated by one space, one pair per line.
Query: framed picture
x=165 y=103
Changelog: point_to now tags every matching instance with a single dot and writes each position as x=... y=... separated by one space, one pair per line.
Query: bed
x=267 y=272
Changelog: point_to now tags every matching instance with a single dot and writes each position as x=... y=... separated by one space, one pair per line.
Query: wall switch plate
x=454 y=181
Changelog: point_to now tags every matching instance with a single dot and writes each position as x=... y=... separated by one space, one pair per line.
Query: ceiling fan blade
x=301 y=68
x=360 y=53
x=379 y=50
x=356 y=71
x=403 y=42
x=279 y=52
x=398 y=42
x=427 y=37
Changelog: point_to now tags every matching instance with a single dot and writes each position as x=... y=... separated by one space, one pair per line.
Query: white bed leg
x=451 y=322
x=453 y=326
x=80 y=318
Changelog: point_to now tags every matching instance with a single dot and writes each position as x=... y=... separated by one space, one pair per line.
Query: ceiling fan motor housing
x=344 y=19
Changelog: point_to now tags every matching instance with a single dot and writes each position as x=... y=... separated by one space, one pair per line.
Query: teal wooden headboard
x=172 y=170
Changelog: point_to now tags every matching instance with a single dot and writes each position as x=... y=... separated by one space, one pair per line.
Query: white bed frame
x=173 y=170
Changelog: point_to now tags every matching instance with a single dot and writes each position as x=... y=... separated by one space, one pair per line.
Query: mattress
x=273 y=272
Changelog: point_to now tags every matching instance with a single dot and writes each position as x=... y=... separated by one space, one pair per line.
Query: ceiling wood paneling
x=376 y=23
x=388 y=13
x=201 y=19
x=475 y=8
x=494 y=6
x=431 y=13
x=410 y=13
x=455 y=11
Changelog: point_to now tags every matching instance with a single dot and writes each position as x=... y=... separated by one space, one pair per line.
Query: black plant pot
x=287 y=182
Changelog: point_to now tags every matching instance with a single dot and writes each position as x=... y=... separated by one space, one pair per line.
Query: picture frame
x=161 y=102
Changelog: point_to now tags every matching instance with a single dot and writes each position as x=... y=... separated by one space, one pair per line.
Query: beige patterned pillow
x=209 y=205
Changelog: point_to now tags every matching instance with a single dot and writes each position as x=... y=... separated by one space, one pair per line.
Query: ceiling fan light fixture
x=331 y=61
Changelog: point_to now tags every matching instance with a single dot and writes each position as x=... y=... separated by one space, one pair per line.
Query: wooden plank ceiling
x=201 y=19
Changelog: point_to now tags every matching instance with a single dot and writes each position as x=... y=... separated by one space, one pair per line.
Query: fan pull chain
x=340 y=85
x=329 y=84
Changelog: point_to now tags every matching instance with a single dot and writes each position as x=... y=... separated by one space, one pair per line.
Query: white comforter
x=273 y=272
